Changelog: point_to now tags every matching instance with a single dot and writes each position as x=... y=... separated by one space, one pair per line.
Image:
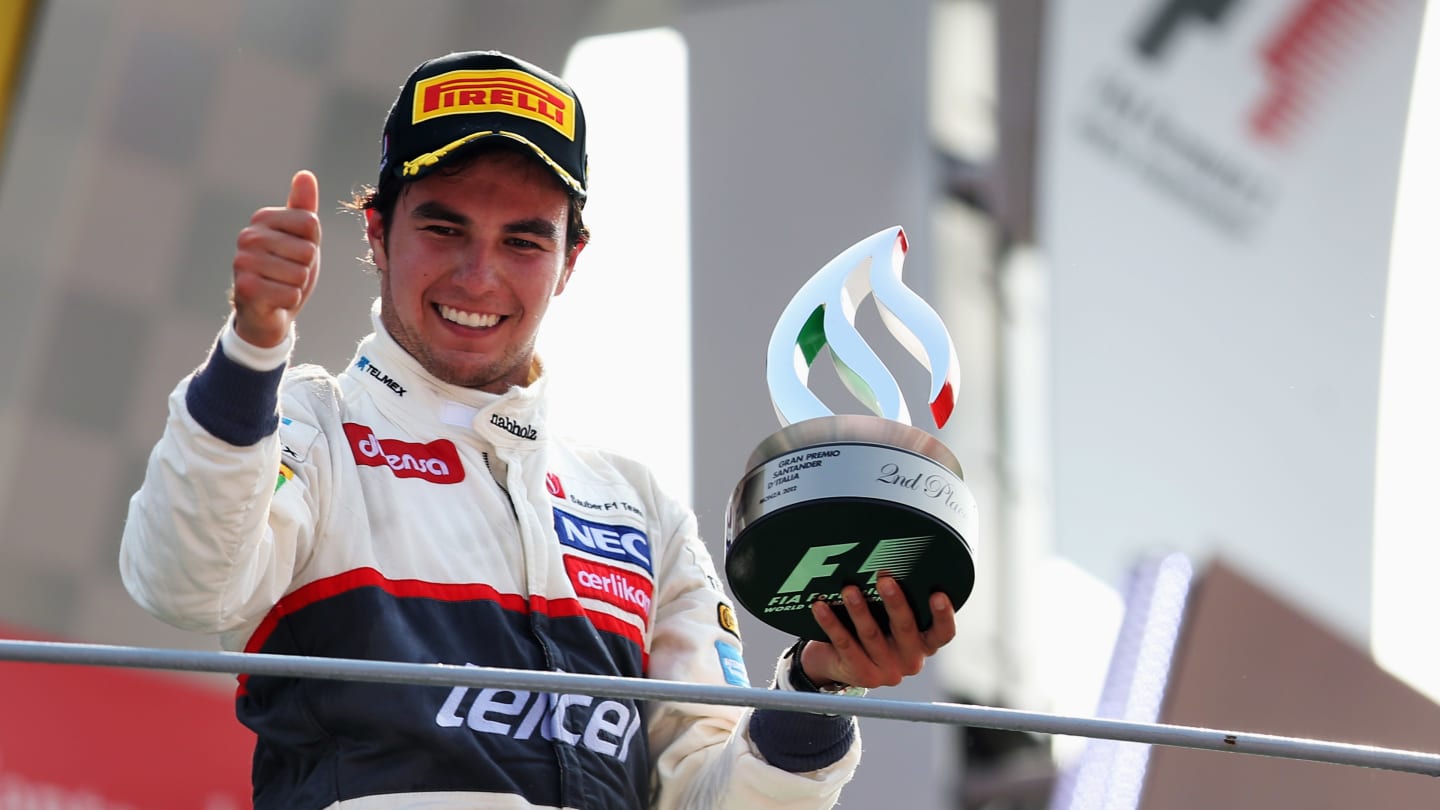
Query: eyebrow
x=440 y=211
x=534 y=226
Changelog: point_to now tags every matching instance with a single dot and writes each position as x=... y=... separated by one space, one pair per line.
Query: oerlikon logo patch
x=626 y=590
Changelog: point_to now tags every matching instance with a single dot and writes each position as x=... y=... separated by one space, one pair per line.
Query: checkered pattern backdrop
x=145 y=134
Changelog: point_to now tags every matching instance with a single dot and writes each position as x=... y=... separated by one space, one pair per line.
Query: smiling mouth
x=474 y=320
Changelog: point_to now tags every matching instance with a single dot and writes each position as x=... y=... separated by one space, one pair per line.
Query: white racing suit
x=394 y=517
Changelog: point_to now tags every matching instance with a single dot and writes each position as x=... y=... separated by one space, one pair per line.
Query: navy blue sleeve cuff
x=233 y=403
x=799 y=742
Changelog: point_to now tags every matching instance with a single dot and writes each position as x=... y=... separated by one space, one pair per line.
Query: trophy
x=831 y=500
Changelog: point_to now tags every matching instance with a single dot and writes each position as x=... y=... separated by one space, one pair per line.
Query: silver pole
x=48 y=652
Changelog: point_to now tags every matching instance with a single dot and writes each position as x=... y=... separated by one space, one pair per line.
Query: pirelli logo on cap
x=507 y=91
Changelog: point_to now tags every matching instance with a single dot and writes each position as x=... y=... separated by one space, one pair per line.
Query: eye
x=524 y=244
x=441 y=230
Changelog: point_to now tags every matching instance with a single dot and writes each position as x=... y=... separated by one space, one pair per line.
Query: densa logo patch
x=622 y=543
x=437 y=462
x=626 y=590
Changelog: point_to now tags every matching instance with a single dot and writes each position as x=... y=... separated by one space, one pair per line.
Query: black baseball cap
x=453 y=102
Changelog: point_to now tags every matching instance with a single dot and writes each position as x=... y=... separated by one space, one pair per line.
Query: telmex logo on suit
x=437 y=462
x=386 y=380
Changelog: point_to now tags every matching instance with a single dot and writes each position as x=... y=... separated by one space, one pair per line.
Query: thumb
x=304 y=192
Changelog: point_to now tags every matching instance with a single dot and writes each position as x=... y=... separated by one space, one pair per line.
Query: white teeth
x=473 y=320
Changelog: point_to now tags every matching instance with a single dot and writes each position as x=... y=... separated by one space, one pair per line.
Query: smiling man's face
x=469 y=265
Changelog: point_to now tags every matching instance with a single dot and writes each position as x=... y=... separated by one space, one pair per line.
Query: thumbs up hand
x=277 y=260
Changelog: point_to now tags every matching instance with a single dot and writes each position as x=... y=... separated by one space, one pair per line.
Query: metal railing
x=46 y=652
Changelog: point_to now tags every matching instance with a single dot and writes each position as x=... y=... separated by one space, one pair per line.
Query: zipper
x=485 y=456
x=563 y=759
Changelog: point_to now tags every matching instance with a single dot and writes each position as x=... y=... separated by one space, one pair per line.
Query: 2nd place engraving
x=932 y=485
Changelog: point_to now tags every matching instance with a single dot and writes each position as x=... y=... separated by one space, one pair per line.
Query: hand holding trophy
x=832 y=500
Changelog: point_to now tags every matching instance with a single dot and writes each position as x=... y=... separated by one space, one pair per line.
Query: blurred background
x=1186 y=249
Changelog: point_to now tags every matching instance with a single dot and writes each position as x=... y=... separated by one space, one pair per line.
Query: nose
x=476 y=268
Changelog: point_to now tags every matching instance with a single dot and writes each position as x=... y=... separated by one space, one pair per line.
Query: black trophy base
x=837 y=501
x=786 y=561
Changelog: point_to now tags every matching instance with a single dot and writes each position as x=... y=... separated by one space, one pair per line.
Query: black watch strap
x=801 y=682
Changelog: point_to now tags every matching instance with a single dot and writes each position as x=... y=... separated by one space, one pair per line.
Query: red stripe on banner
x=1303 y=53
x=99 y=738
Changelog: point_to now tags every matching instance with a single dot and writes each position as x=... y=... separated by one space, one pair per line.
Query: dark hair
x=382 y=199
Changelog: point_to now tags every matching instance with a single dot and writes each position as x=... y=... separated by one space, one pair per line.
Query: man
x=423 y=512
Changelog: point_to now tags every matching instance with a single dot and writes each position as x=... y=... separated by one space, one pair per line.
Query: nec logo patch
x=626 y=590
x=622 y=543
x=437 y=462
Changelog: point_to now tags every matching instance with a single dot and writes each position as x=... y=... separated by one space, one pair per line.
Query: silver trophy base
x=838 y=500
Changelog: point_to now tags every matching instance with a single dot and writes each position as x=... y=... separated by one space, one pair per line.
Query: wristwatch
x=801 y=682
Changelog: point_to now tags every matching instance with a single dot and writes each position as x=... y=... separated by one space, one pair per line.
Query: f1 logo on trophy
x=831 y=500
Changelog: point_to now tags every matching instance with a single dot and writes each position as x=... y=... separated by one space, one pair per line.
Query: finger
x=293 y=221
x=867 y=631
x=904 y=632
x=267 y=267
x=262 y=241
x=848 y=655
x=942 y=627
x=304 y=192
x=255 y=294
x=310 y=276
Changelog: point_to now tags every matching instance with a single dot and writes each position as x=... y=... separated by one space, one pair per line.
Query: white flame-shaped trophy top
x=823 y=313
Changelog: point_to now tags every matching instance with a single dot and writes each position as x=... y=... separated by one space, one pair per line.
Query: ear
x=375 y=235
x=569 y=268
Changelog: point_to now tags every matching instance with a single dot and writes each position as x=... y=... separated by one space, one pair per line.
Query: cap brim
x=426 y=163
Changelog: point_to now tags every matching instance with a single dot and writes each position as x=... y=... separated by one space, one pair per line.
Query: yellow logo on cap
x=507 y=91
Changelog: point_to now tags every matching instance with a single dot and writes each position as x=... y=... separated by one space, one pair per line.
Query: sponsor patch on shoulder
x=296 y=438
x=285 y=475
x=732 y=664
x=725 y=615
